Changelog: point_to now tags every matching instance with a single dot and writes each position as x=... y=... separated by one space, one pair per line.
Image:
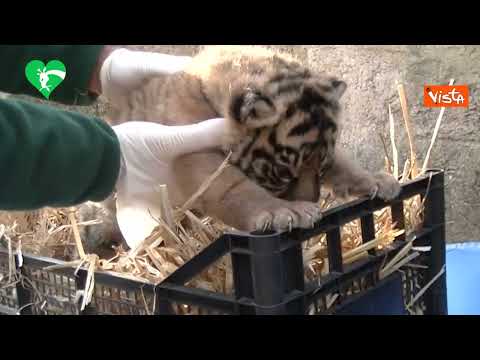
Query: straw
x=409 y=129
x=394 y=146
x=435 y=133
x=426 y=287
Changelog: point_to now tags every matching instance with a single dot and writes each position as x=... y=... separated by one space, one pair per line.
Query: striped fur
x=303 y=123
x=284 y=127
x=283 y=111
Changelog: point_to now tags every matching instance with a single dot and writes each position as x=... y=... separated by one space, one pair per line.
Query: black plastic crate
x=268 y=272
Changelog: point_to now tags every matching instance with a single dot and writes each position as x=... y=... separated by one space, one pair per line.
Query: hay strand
x=398 y=265
x=409 y=129
x=401 y=254
x=435 y=134
x=362 y=248
x=388 y=162
x=426 y=287
x=392 y=140
x=76 y=233
x=205 y=185
x=166 y=211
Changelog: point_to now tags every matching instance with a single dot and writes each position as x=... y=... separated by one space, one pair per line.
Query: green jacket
x=51 y=157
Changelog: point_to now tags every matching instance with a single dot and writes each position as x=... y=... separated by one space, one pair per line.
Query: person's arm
x=82 y=63
x=50 y=157
x=56 y=158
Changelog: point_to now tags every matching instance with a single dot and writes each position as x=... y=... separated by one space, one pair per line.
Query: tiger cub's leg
x=238 y=201
x=346 y=178
x=100 y=237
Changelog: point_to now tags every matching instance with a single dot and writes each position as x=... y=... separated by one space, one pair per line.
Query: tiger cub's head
x=292 y=117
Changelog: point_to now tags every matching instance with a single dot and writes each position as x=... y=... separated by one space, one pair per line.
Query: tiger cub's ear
x=339 y=88
x=327 y=86
x=252 y=108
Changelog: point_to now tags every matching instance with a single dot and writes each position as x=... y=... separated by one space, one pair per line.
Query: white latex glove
x=124 y=70
x=147 y=152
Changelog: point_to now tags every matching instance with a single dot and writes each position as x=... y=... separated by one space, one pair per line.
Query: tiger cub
x=285 y=122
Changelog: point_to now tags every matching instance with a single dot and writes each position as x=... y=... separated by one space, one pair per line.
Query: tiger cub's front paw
x=98 y=237
x=381 y=185
x=386 y=187
x=286 y=216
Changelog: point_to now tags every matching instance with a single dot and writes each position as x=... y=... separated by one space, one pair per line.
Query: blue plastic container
x=463 y=278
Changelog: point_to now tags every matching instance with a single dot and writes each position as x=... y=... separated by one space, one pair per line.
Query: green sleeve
x=79 y=61
x=54 y=158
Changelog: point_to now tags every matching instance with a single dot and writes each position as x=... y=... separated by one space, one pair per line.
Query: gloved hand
x=147 y=151
x=124 y=70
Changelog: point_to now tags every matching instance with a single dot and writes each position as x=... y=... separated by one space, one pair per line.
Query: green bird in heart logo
x=45 y=78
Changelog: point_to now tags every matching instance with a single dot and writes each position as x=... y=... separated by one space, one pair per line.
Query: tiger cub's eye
x=283 y=172
x=290 y=111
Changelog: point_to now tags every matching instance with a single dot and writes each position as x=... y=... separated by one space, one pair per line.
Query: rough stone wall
x=371 y=73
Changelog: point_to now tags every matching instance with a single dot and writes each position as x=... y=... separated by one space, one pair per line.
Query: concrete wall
x=371 y=72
